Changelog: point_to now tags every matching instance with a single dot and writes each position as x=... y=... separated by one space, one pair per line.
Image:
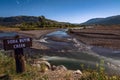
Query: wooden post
x=20 y=60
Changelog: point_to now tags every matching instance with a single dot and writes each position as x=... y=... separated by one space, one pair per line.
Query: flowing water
x=77 y=54
x=81 y=54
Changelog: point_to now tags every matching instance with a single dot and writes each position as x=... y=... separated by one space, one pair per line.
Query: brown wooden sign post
x=17 y=45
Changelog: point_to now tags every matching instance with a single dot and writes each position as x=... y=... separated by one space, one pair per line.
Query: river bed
x=89 y=56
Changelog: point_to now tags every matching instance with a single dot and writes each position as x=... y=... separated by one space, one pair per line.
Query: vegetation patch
x=7 y=67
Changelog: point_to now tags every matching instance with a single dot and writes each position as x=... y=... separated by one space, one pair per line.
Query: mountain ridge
x=13 y=20
x=112 y=20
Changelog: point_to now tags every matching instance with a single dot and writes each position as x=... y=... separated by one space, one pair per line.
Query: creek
x=81 y=54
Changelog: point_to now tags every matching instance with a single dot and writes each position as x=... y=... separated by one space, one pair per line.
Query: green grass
x=98 y=74
x=7 y=67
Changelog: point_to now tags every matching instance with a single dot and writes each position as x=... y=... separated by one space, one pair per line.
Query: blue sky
x=74 y=11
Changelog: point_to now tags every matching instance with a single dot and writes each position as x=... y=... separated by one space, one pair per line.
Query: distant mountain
x=112 y=20
x=17 y=20
x=33 y=22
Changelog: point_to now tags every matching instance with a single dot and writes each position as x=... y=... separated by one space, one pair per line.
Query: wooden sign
x=10 y=44
x=17 y=44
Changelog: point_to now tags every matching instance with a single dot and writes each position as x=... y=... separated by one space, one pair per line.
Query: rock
x=46 y=63
x=36 y=65
x=77 y=72
x=61 y=67
x=53 y=67
x=40 y=62
x=42 y=65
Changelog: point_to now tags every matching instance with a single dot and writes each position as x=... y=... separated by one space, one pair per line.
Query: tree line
x=45 y=23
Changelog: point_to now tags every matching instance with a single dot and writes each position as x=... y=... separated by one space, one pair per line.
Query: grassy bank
x=7 y=66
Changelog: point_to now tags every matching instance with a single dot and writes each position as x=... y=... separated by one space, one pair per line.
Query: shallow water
x=60 y=34
x=87 y=55
x=7 y=34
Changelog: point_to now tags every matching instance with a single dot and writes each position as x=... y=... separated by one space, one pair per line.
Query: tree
x=42 y=21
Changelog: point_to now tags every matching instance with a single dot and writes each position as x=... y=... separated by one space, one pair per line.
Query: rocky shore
x=36 y=33
x=53 y=72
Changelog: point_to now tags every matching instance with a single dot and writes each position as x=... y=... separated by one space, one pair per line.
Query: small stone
x=61 y=67
x=46 y=63
x=38 y=65
x=53 y=67
x=77 y=72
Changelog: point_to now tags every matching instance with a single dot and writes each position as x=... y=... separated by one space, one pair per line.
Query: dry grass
x=9 y=29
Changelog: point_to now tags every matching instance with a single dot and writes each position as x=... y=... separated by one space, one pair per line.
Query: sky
x=73 y=11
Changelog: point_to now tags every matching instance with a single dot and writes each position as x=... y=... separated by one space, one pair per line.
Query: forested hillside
x=30 y=22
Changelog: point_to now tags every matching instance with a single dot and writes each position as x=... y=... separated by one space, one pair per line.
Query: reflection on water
x=59 y=34
x=70 y=63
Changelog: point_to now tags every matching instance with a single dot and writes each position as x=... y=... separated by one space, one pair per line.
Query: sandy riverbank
x=104 y=36
x=36 y=33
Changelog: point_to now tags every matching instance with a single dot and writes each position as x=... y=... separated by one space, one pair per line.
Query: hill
x=112 y=20
x=33 y=22
x=17 y=20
